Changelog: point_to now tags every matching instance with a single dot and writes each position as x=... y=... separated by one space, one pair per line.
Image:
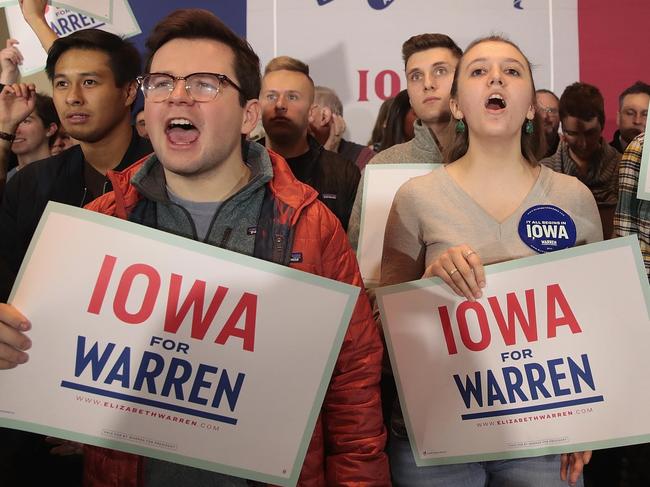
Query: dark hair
x=582 y=101
x=194 y=23
x=548 y=92
x=124 y=58
x=637 y=88
x=394 y=130
x=532 y=145
x=380 y=124
x=423 y=42
x=46 y=111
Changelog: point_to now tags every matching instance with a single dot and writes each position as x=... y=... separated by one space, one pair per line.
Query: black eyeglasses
x=201 y=87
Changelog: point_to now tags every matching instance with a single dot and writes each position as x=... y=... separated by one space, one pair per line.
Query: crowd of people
x=221 y=147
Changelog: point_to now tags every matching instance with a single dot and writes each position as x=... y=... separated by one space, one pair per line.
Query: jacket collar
x=146 y=178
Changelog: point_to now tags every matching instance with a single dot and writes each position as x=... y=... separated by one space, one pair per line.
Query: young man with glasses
x=207 y=183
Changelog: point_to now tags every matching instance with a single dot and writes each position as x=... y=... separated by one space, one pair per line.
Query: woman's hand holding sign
x=13 y=341
x=461 y=269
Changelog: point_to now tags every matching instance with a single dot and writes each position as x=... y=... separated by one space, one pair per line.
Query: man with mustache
x=287 y=99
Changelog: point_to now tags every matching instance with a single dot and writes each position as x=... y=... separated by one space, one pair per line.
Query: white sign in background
x=100 y=9
x=65 y=21
x=606 y=289
x=301 y=321
x=380 y=184
x=345 y=37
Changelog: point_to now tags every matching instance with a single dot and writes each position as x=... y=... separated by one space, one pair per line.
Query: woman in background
x=35 y=134
x=399 y=122
x=380 y=124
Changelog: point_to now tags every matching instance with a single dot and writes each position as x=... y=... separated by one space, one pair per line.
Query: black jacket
x=58 y=178
x=335 y=178
x=616 y=142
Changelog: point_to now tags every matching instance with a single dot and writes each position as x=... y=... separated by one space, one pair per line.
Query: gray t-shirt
x=202 y=213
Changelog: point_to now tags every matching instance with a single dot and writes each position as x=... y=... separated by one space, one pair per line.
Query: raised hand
x=10 y=59
x=17 y=101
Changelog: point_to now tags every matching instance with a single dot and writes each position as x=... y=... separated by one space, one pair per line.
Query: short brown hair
x=583 y=101
x=287 y=63
x=423 y=42
x=194 y=23
x=637 y=88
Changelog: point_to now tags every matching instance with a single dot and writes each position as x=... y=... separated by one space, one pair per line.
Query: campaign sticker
x=546 y=228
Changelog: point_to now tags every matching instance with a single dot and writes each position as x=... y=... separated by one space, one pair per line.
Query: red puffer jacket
x=347 y=446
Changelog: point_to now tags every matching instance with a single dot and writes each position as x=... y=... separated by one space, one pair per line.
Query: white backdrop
x=343 y=37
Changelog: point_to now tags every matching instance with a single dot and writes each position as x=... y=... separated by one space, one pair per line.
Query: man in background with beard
x=287 y=99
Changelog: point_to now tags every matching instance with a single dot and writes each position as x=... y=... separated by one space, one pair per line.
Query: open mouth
x=495 y=102
x=181 y=131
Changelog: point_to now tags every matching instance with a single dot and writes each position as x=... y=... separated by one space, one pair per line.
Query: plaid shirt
x=632 y=214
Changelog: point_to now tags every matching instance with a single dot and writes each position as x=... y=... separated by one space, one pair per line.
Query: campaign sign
x=159 y=345
x=65 y=21
x=553 y=358
x=100 y=9
x=380 y=183
x=643 y=188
